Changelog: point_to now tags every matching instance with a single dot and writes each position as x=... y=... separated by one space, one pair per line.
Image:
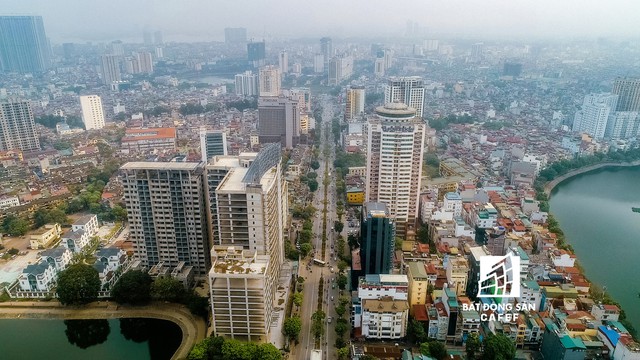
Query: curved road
x=193 y=328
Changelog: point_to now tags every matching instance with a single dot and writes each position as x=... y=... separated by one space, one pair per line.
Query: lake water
x=594 y=212
x=88 y=339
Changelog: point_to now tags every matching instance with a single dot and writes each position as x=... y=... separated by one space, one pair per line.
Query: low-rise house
x=38 y=277
x=59 y=258
x=385 y=318
x=45 y=236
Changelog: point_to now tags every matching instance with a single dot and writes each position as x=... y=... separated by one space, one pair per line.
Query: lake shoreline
x=193 y=329
x=549 y=186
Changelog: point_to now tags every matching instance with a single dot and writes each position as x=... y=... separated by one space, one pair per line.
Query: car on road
x=331 y=269
x=329 y=320
x=333 y=286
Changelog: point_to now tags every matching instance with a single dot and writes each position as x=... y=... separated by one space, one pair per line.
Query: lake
x=594 y=212
x=88 y=339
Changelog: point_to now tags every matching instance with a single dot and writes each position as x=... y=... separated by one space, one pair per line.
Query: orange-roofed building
x=137 y=140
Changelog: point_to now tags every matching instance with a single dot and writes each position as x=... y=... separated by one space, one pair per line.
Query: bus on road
x=319 y=262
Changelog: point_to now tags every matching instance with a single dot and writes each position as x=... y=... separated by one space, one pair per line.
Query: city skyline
x=461 y=18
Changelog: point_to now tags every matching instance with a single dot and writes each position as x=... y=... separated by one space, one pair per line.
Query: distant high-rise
x=512 y=69
x=340 y=69
x=110 y=69
x=157 y=38
x=247 y=84
x=279 y=120
x=318 y=63
x=24 y=47
x=256 y=53
x=326 y=49
x=92 y=112
x=592 y=118
x=167 y=214
x=147 y=38
x=212 y=143
x=408 y=90
x=355 y=103
x=623 y=125
x=269 y=81
x=235 y=35
x=145 y=62
x=116 y=48
x=395 y=143
x=283 y=62
x=477 y=52
x=628 y=91
x=17 y=127
x=377 y=239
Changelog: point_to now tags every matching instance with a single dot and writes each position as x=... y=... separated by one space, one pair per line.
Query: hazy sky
x=184 y=20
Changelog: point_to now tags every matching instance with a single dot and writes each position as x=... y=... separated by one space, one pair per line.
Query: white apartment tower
x=283 y=62
x=269 y=81
x=355 y=103
x=17 y=127
x=110 y=69
x=92 y=112
x=247 y=84
x=394 y=167
x=408 y=90
x=248 y=209
x=167 y=213
x=145 y=62
x=592 y=118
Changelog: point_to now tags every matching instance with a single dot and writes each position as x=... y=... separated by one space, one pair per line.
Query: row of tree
x=219 y=348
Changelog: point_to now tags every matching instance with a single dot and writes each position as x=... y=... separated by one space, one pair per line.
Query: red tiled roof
x=420 y=313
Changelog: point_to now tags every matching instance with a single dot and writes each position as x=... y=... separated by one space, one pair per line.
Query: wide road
x=313 y=273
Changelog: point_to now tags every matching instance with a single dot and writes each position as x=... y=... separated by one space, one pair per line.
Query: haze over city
x=201 y=20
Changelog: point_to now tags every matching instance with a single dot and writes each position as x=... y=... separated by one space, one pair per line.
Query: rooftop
x=149 y=165
x=385 y=305
x=147 y=134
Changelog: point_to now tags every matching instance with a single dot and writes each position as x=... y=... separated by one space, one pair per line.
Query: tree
x=315 y=165
x=342 y=265
x=300 y=280
x=266 y=351
x=424 y=348
x=416 y=332
x=291 y=327
x=472 y=346
x=297 y=299
x=498 y=347
x=233 y=349
x=317 y=326
x=167 y=288
x=438 y=350
x=341 y=309
x=305 y=249
x=313 y=185
x=133 y=287
x=86 y=333
x=78 y=284
x=341 y=328
x=343 y=353
x=342 y=281
x=338 y=225
x=15 y=226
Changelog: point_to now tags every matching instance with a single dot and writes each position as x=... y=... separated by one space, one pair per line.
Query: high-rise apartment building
x=24 y=47
x=145 y=62
x=212 y=143
x=157 y=38
x=326 y=49
x=92 y=112
x=303 y=94
x=248 y=209
x=355 y=103
x=256 y=53
x=283 y=62
x=628 y=91
x=17 y=127
x=340 y=69
x=110 y=69
x=235 y=35
x=394 y=167
x=279 y=120
x=623 y=125
x=318 y=63
x=477 y=52
x=269 y=81
x=592 y=118
x=408 y=90
x=377 y=239
x=167 y=213
x=247 y=84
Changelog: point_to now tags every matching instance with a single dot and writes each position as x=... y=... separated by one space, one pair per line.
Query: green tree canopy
x=291 y=327
x=472 y=346
x=342 y=281
x=438 y=350
x=169 y=289
x=297 y=299
x=78 y=284
x=305 y=249
x=14 y=225
x=133 y=287
x=498 y=347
